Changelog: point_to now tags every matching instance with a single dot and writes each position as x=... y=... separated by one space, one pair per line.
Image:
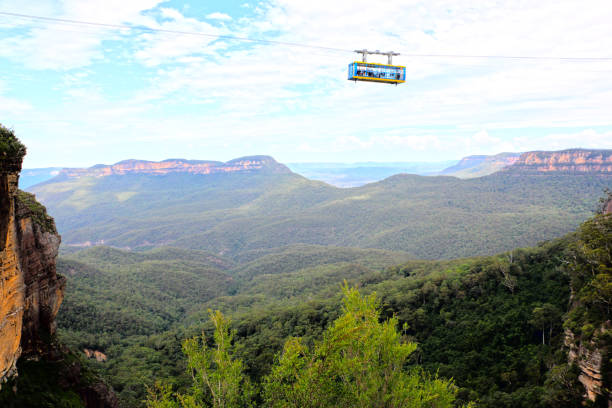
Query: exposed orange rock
x=12 y=287
x=246 y=164
x=98 y=355
x=589 y=361
x=31 y=291
x=44 y=289
x=565 y=161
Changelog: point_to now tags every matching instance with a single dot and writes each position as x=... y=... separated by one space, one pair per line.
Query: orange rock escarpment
x=564 y=161
x=12 y=286
x=589 y=359
x=245 y=164
x=30 y=289
x=590 y=356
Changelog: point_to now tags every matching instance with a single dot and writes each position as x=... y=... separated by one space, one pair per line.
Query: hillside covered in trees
x=270 y=249
x=497 y=326
x=233 y=213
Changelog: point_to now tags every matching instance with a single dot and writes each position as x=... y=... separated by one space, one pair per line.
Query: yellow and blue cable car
x=374 y=72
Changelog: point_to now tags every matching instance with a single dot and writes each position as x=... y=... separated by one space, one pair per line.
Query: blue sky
x=80 y=95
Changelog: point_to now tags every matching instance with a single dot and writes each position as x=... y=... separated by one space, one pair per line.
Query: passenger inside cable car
x=376 y=72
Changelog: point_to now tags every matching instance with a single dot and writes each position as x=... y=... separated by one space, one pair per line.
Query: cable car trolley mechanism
x=373 y=72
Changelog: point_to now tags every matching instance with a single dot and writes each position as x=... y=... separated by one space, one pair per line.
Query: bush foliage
x=359 y=362
x=10 y=147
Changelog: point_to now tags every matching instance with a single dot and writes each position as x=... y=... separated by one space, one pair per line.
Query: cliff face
x=31 y=290
x=44 y=289
x=12 y=282
x=565 y=161
x=588 y=333
x=478 y=166
x=31 y=293
x=242 y=165
x=589 y=359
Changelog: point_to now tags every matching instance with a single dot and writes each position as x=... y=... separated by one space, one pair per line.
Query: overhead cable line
x=293 y=44
x=166 y=31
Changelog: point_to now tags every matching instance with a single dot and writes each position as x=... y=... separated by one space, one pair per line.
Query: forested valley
x=280 y=291
x=494 y=325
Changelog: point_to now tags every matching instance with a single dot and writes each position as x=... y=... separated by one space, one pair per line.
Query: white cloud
x=219 y=16
x=158 y=48
x=63 y=46
x=11 y=107
x=588 y=138
x=275 y=97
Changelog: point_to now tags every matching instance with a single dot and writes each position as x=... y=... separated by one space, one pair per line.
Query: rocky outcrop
x=12 y=282
x=44 y=288
x=242 y=165
x=31 y=293
x=31 y=290
x=592 y=353
x=589 y=358
x=99 y=356
x=564 y=161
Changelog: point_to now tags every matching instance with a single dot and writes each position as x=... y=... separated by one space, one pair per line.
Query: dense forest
x=225 y=278
x=235 y=214
x=494 y=325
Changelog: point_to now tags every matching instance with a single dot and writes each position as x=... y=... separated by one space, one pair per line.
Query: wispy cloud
x=219 y=16
x=227 y=98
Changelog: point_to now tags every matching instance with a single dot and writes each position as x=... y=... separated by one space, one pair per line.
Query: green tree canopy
x=218 y=378
x=10 y=147
x=360 y=362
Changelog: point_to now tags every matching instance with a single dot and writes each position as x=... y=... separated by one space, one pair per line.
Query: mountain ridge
x=564 y=161
x=481 y=165
x=574 y=160
x=260 y=163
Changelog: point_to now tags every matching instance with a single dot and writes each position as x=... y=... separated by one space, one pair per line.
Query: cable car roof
x=376 y=63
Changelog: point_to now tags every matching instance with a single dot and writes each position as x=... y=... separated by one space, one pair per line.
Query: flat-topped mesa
x=31 y=291
x=564 y=161
x=250 y=164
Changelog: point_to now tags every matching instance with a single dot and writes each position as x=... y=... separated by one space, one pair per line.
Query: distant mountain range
x=572 y=161
x=587 y=161
x=351 y=174
x=255 y=203
x=478 y=166
x=241 y=165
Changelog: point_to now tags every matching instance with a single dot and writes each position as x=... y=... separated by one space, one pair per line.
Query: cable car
x=374 y=72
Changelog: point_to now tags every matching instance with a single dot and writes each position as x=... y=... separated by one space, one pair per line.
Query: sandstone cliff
x=592 y=354
x=589 y=358
x=242 y=165
x=31 y=290
x=12 y=282
x=564 y=161
x=31 y=293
